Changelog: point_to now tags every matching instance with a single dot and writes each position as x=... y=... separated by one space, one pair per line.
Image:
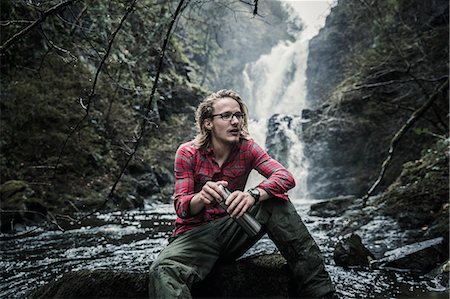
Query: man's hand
x=210 y=194
x=238 y=203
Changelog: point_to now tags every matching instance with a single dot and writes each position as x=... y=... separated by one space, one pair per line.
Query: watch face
x=254 y=193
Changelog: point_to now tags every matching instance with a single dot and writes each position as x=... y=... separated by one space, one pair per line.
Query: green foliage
x=47 y=77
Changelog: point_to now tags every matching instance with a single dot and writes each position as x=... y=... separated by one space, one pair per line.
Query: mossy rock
x=11 y=188
x=264 y=276
x=418 y=199
x=19 y=206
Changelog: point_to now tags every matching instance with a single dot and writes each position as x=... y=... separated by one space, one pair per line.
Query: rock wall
x=369 y=69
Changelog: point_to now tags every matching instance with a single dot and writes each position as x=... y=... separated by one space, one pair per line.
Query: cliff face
x=369 y=69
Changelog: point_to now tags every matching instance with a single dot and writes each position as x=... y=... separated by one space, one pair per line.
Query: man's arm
x=278 y=180
x=187 y=202
x=209 y=194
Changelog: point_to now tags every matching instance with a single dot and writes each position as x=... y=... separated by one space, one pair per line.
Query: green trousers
x=191 y=256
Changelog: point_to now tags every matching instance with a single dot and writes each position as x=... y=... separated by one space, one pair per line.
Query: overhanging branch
x=396 y=139
x=30 y=27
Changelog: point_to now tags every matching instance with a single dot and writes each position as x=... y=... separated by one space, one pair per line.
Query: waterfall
x=275 y=91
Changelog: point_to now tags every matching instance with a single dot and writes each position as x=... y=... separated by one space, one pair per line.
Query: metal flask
x=249 y=224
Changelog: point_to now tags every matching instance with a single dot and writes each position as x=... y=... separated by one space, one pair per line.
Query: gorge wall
x=369 y=69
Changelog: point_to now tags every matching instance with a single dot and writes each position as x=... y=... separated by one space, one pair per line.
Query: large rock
x=418 y=199
x=351 y=251
x=257 y=277
x=333 y=207
x=421 y=256
x=283 y=132
x=19 y=205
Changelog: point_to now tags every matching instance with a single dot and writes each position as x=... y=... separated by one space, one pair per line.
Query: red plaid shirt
x=194 y=167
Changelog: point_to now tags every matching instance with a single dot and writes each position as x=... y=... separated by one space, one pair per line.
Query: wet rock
x=332 y=207
x=257 y=277
x=19 y=205
x=279 y=141
x=147 y=184
x=137 y=168
x=352 y=252
x=421 y=256
x=440 y=275
x=418 y=199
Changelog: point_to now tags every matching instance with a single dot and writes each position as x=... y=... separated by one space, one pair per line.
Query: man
x=224 y=154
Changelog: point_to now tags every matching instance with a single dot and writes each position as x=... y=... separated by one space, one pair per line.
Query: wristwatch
x=254 y=192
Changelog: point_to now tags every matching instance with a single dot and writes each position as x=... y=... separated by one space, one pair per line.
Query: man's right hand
x=210 y=194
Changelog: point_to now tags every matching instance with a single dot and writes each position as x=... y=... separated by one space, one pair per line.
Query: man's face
x=225 y=131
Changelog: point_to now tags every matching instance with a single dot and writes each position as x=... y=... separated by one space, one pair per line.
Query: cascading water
x=275 y=88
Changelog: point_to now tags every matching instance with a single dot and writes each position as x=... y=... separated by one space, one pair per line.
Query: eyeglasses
x=229 y=116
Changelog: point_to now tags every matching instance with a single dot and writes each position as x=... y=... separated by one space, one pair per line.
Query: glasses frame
x=231 y=115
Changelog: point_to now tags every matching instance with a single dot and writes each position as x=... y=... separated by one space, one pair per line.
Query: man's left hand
x=238 y=203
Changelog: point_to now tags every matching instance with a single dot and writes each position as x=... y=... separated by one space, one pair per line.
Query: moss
x=9 y=188
x=419 y=197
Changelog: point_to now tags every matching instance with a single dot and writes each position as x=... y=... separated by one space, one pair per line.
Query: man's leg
x=287 y=230
x=186 y=260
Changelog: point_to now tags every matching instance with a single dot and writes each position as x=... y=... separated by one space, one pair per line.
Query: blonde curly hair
x=205 y=111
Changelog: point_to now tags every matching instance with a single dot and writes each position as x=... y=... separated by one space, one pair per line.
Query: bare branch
x=49 y=218
x=390 y=82
x=27 y=29
x=54 y=46
x=396 y=139
x=255 y=9
x=77 y=20
x=9 y=22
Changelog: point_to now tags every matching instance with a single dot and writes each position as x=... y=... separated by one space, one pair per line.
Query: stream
x=130 y=240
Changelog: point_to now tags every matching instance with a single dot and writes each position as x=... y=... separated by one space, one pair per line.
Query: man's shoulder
x=247 y=144
x=188 y=147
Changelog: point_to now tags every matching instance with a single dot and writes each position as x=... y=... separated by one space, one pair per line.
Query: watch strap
x=255 y=194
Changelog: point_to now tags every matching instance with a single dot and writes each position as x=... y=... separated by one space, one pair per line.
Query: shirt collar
x=209 y=150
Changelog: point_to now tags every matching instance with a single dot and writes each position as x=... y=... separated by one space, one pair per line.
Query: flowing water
x=130 y=240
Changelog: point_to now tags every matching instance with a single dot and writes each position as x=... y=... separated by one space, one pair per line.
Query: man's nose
x=234 y=119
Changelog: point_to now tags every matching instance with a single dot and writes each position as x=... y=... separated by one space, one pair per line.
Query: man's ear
x=208 y=124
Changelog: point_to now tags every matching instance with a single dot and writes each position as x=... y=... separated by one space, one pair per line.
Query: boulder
x=440 y=276
x=255 y=277
x=19 y=205
x=421 y=256
x=333 y=207
x=351 y=251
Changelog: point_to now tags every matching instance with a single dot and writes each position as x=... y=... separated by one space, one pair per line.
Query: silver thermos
x=250 y=225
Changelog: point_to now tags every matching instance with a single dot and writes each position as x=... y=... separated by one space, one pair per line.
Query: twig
x=396 y=139
x=49 y=218
x=255 y=9
x=9 y=22
x=77 y=20
x=53 y=45
x=390 y=82
x=27 y=29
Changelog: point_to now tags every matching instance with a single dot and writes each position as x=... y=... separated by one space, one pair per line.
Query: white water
x=276 y=84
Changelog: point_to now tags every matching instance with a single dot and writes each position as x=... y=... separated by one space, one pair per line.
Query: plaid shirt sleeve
x=278 y=179
x=184 y=181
